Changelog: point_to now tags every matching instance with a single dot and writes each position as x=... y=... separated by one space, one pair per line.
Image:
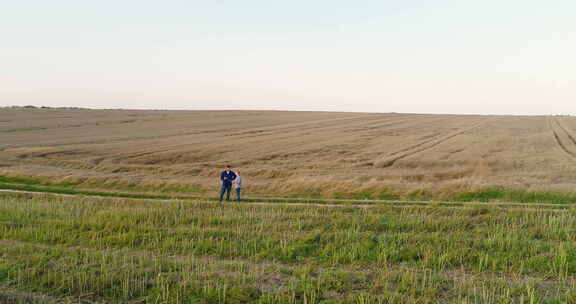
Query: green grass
x=37 y=185
x=368 y=196
x=32 y=181
x=119 y=251
x=67 y=191
x=498 y=194
x=195 y=192
x=134 y=191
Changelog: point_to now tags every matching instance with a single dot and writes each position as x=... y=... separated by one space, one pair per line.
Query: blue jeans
x=238 y=190
x=225 y=189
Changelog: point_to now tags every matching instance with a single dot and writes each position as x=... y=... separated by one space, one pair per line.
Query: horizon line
x=263 y=109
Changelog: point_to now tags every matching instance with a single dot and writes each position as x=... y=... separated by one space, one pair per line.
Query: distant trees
x=42 y=107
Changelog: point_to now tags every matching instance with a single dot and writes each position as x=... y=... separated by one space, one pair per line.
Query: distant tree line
x=42 y=107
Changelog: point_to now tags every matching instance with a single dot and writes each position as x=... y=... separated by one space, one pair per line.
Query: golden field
x=320 y=154
x=113 y=206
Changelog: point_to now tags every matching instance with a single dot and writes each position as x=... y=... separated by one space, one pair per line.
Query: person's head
x=237 y=172
x=228 y=168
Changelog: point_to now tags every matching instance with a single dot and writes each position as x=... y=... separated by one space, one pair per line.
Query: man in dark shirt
x=227 y=177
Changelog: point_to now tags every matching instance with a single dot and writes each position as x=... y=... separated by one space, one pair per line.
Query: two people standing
x=229 y=177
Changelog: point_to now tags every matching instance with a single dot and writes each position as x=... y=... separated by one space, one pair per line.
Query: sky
x=413 y=56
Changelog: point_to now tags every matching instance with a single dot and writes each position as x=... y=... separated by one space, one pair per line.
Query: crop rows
x=296 y=154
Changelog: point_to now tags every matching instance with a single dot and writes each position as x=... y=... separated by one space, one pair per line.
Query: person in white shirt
x=238 y=183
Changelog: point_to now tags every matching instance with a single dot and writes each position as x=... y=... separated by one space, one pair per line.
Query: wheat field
x=115 y=206
x=321 y=154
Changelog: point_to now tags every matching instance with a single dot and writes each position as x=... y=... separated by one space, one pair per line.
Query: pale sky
x=486 y=57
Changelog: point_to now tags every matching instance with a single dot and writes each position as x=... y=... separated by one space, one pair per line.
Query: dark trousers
x=238 y=190
x=225 y=189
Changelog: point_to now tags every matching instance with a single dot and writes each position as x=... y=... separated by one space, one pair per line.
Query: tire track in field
x=562 y=137
x=301 y=141
x=426 y=145
x=159 y=148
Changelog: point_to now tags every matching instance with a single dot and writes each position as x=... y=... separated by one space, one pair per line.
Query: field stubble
x=78 y=250
x=299 y=154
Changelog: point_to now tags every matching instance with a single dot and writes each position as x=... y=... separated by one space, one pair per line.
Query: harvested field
x=339 y=209
x=300 y=154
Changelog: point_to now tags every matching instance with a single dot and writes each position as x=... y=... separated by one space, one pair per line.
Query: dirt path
x=342 y=203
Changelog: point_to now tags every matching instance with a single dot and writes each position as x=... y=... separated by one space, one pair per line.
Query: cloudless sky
x=502 y=57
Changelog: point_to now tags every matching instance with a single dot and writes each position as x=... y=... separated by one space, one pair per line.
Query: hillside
x=316 y=154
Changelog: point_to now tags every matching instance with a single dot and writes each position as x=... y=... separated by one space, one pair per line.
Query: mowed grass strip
x=505 y=198
x=268 y=201
x=177 y=252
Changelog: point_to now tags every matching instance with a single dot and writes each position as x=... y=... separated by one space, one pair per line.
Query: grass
x=500 y=194
x=34 y=187
x=114 y=251
x=483 y=195
x=51 y=186
x=50 y=189
x=32 y=181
